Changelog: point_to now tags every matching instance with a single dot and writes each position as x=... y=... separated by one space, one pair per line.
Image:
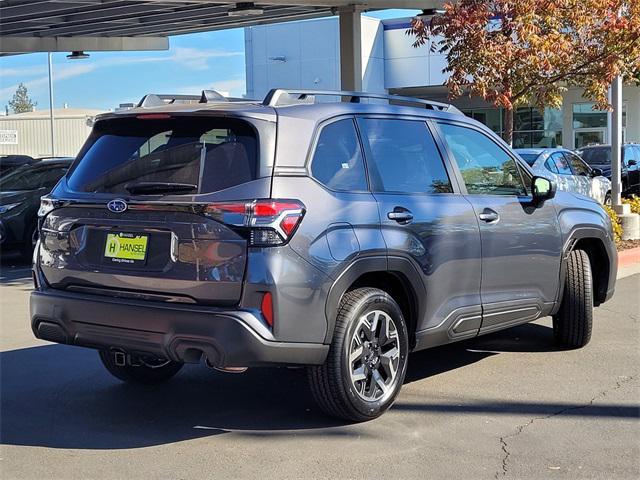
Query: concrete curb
x=628 y=262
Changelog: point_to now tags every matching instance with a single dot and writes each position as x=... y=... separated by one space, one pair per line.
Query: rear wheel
x=147 y=371
x=573 y=323
x=367 y=360
x=607 y=199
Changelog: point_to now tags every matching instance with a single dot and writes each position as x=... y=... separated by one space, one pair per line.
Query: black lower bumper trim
x=225 y=338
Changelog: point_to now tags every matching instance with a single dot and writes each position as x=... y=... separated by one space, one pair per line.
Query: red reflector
x=289 y=223
x=267 y=308
x=153 y=116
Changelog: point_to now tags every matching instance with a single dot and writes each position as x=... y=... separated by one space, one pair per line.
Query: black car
x=20 y=192
x=9 y=163
x=599 y=156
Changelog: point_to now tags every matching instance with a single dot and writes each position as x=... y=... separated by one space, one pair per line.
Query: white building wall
x=306 y=54
x=408 y=66
x=34 y=137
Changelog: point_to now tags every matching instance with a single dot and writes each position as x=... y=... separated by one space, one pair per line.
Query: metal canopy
x=125 y=18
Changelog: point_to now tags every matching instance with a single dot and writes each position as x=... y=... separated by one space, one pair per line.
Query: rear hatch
x=131 y=218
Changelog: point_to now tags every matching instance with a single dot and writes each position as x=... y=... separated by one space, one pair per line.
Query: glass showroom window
x=590 y=125
x=530 y=127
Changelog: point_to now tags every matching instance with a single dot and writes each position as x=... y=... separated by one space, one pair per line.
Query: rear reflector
x=270 y=222
x=267 y=308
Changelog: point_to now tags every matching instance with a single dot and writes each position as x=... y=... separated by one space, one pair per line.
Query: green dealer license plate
x=126 y=248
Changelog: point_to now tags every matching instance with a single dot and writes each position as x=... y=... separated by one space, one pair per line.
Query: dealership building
x=306 y=54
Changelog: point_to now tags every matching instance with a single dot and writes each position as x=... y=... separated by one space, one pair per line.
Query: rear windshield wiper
x=159 y=187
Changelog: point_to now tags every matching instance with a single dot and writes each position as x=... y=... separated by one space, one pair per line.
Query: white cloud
x=62 y=73
x=234 y=87
x=198 y=59
x=185 y=57
x=24 y=71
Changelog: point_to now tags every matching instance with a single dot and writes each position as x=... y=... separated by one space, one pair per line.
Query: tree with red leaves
x=528 y=52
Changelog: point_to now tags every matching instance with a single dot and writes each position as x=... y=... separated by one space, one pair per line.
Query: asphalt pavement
x=507 y=405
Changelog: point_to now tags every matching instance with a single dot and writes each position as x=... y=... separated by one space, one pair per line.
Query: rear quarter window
x=209 y=153
x=337 y=161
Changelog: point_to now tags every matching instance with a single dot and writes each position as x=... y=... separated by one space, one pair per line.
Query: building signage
x=8 y=137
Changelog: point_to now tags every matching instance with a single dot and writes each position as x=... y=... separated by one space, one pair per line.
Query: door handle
x=489 y=216
x=400 y=215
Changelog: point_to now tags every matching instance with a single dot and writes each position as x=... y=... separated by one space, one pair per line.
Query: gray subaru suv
x=339 y=235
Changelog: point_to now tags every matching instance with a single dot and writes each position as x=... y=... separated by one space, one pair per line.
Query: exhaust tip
x=226 y=369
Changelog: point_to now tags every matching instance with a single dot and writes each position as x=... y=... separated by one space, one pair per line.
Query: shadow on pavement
x=60 y=396
x=14 y=270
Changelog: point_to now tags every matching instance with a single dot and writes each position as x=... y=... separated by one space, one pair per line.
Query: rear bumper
x=179 y=332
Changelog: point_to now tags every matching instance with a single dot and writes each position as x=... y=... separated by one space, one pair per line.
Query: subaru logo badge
x=117 y=205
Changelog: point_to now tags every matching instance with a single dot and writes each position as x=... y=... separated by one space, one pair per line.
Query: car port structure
x=120 y=25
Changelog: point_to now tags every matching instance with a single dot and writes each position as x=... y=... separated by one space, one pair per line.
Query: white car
x=568 y=171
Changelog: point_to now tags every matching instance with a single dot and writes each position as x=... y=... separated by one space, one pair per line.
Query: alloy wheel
x=374 y=356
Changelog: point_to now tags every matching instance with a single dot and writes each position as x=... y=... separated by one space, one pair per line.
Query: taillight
x=269 y=222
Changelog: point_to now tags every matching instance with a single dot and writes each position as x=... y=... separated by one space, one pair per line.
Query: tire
x=607 y=199
x=360 y=348
x=573 y=323
x=143 y=374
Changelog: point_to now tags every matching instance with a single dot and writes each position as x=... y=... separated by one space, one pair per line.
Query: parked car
x=569 y=172
x=11 y=162
x=186 y=233
x=20 y=192
x=599 y=156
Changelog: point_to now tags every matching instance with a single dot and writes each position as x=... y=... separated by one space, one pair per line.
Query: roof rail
x=158 y=100
x=280 y=97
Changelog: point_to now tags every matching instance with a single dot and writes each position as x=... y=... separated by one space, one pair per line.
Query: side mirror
x=543 y=189
x=596 y=172
x=632 y=162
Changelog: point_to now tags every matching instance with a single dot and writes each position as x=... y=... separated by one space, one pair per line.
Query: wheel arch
x=395 y=275
x=602 y=256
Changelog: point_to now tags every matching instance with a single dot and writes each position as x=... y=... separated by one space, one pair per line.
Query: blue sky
x=106 y=79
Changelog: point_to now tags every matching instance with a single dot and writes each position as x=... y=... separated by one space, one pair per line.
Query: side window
x=561 y=163
x=337 y=161
x=577 y=165
x=629 y=154
x=486 y=168
x=550 y=165
x=403 y=156
x=526 y=176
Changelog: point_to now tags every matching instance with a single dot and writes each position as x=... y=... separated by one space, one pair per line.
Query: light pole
x=616 y=143
x=51 y=119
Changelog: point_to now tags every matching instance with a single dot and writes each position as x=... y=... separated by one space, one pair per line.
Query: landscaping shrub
x=634 y=201
x=617 y=228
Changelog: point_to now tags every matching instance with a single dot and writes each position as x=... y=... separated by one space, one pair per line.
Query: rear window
x=175 y=155
x=596 y=156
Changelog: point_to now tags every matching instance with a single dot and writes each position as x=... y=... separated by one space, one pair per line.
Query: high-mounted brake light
x=269 y=222
x=153 y=116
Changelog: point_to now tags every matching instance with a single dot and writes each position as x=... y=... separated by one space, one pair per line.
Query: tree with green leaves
x=528 y=52
x=21 y=102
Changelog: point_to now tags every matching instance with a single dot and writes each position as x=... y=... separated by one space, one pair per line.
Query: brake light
x=269 y=222
x=153 y=116
x=267 y=308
